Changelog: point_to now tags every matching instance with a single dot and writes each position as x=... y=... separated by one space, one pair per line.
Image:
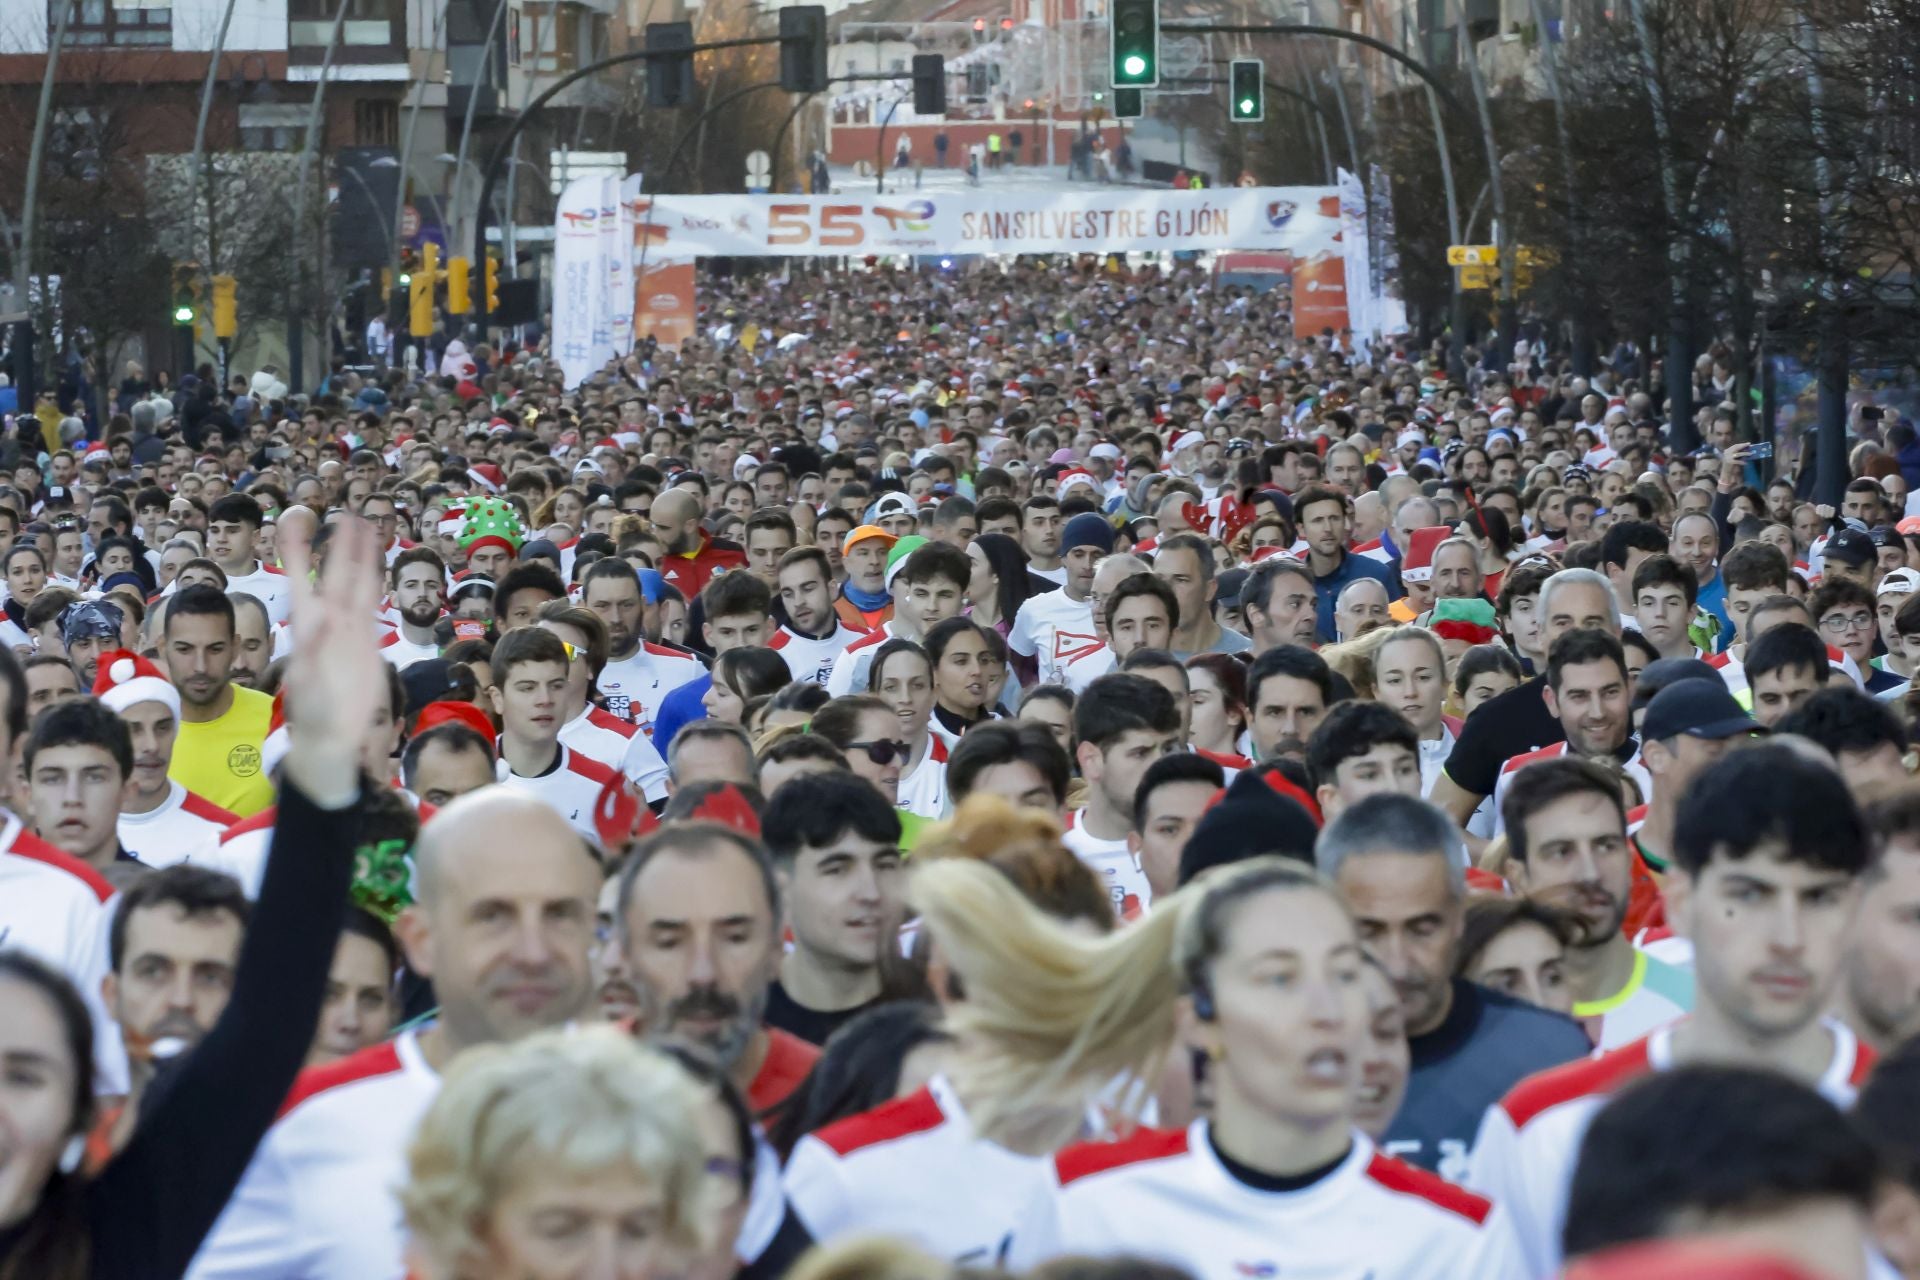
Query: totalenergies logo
x=916 y=217
x=583 y=220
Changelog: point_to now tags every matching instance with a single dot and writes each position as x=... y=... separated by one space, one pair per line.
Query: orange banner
x=1319 y=295
x=663 y=302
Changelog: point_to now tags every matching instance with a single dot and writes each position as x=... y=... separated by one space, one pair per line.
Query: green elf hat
x=1468 y=620
x=492 y=522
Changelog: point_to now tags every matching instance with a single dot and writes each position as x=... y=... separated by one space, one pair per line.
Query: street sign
x=759 y=171
x=1473 y=255
x=409 y=222
x=1473 y=276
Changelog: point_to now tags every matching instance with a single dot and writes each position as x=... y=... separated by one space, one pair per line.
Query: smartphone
x=1760 y=452
x=1872 y=413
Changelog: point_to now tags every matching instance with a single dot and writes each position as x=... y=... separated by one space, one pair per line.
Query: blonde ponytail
x=1054 y=1015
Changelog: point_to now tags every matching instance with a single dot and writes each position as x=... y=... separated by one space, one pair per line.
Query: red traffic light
x=1006 y=24
x=979 y=24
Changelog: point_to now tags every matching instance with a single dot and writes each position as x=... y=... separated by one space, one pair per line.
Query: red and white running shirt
x=1525 y=1151
x=184 y=828
x=571 y=786
x=618 y=744
x=1166 y=1196
x=317 y=1200
x=893 y=1170
x=811 y=658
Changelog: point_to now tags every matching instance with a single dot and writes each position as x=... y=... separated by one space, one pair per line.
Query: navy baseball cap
x=1698 y=709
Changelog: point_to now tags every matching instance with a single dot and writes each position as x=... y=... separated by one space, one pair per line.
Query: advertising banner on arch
x=1304 y=221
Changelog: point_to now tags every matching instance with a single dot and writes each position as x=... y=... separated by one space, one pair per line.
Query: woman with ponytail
x=1257 y=970
x=895 y=1170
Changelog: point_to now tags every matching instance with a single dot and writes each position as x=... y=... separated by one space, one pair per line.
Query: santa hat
x=1417 y=566
x=278 y=741
x=487 y=476
x=435 y=714
x=1078 y=476
x=126 y=679
x=1187 y=440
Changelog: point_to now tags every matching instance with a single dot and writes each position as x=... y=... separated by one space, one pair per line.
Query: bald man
x=503 y=925
x=694 y=556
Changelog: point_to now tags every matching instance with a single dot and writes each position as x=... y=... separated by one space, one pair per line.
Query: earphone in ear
x=73 y=1153
x=1202 y=1003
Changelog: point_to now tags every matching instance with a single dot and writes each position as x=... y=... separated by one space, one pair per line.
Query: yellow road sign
x=1474 y=276
x=1473 y=255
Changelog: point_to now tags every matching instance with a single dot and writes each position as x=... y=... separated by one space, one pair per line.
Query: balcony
x=373 y=32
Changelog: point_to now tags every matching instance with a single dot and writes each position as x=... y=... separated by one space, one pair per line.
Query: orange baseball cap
x=862 y=533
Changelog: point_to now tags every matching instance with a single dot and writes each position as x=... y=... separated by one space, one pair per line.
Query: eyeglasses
x=1838 y=622
x=883 y=751
x=572 y=652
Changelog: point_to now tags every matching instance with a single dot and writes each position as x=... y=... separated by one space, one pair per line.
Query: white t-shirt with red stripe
x=1166 y=1196
x=605 y=738
x=923 y=791
x=58 y=910
x=894 y=1170
x=1053 y=628
x=849 y=673
x=1117 y=866
x=1527 y=1146
x=267 y=585
x=811 y=658
x=402 y=653
x=317 y=1201
x=571 y=785
x=1632 y=767
x=636 y=685
x=183 y=828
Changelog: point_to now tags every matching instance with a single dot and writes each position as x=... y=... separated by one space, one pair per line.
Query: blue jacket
x=1352 y=568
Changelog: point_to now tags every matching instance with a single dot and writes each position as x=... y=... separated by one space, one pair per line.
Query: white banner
x=1353 y=233
x=1302 y=220
x=578 y=288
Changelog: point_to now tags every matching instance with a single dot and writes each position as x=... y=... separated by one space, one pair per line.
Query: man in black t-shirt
x=1518 y=721
x=835 y=842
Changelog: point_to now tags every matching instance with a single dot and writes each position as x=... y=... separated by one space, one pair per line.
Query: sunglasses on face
x=883 y=751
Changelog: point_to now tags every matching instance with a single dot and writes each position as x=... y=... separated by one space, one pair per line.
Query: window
x=115 y=22
x=75 y=139
x=557 y=37
x=376 y=123
x=273 y=126
x=368 y=22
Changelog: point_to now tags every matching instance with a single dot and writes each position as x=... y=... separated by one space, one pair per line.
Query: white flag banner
x=1302 y=220
x=578 y=288
x=1361 y=312
x=620 y=297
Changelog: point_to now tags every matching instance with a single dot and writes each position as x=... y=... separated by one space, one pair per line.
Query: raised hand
x=335 y=680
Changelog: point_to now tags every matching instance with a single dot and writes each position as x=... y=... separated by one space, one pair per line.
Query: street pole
x=880 y=148
x=26 y=367
x=406 y=146
x=316 y=124
x=1503 y=229
x=1831 y=401
x=194 y=173
x=1457 y=299
x=466 y=128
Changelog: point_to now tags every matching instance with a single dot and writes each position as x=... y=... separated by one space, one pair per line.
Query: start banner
x=1301 y=220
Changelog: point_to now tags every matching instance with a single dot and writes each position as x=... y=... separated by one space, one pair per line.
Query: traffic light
x=226 y=306
x=1133 y=34
x=979 y=27
x=459 y=287
x=420 y=292
x=929 y=84
x=1247 y=90
x=1128 y=104
x=803 y=48
x=186 y=293
x=669 y=80
x=493 y=284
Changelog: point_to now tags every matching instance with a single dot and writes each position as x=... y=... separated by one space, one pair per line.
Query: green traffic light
x=1134 y=65
x=406 y=279
x=183 y=315
x=1246 y=106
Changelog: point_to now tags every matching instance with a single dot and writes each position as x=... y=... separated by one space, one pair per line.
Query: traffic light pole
x=1437 y=93
x=504 y=147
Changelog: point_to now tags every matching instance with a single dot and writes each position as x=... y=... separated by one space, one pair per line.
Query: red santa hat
x=435 y=714
x=126 y=679
x=1417 y=566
